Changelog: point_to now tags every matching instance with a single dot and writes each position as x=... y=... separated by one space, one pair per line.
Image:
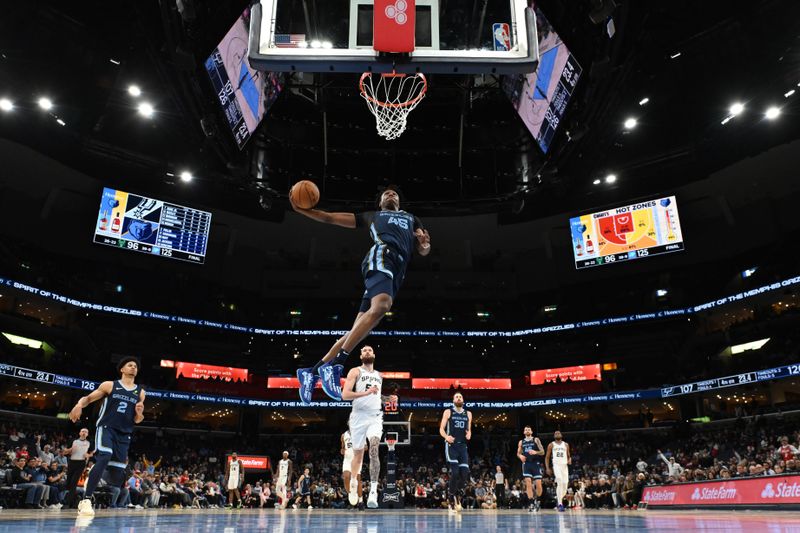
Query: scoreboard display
x=142 y=224
x=631 y=232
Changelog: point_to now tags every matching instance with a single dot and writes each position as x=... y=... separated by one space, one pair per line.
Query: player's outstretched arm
x=346 y=220
x=102 y=391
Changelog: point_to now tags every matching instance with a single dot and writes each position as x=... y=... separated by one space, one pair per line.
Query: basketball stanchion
x=391 y=499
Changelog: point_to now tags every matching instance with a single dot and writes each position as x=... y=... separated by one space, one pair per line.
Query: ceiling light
x=611 y=178
x=327 y=45
x=134 y=90
x=736 y=108
x=596 y=182
x=115 y=61
x=790 y=93
x=186 y=176
x=643 y=101
x=726 y=119
x=146 y=109
x=6 y=104
x=772 y=113
x=630 y=123
x=675 y=55
x=61 y=122
x=45 y=103
x=315 y=44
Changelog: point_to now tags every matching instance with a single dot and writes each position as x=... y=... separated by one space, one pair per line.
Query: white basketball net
x=391 y=97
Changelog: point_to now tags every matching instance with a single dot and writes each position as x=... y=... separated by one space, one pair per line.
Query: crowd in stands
x=609 y=470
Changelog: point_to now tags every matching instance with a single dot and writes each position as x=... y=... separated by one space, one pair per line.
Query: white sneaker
x=372 y=501
x=352 y=496
x=131 y=506
x=85 y=507
x=137 y=507
x=309 y=507
x=294 y=506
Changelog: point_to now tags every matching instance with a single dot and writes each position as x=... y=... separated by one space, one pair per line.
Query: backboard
x=450 y=36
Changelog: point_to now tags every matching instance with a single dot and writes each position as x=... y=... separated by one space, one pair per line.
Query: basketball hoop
x=391 y=443
x=391 y=97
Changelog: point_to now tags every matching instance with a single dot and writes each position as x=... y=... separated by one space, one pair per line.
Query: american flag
x=289 y=40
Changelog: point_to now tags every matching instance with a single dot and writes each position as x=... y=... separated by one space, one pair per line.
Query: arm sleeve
x=364 y=219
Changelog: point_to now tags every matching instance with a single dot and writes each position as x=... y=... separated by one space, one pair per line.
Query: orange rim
x=393 y=75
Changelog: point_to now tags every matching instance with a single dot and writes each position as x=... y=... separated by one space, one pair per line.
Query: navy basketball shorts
x=383 y=270
x=456 y=454
x=115 y=443
x=532 y=469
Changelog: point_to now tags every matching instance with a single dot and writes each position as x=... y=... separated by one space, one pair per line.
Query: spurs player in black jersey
x=456 y=430
x=395 y=235
x=123 y=406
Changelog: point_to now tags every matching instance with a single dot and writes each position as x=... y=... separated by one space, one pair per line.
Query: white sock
x=373 y=486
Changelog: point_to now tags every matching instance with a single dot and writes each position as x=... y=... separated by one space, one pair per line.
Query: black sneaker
x=360 y=505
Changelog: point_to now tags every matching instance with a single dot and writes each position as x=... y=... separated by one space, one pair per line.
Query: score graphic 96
x=151 y=226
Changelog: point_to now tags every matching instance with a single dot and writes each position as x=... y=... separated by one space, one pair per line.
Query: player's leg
x=374 y=471
x=452 y=462
x=538 y=493
x=463 y=473
x=355 y=494
x=562 y=478
x=528 y=487
x=308 y=376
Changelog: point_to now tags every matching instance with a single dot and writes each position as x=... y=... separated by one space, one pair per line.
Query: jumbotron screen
x=142 y=224
x=625 y=233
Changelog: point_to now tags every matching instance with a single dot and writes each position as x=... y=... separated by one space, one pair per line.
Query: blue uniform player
x=456 y=429
x=531 y=452
x=303 y=490
x=123 y=406
x=395 y=235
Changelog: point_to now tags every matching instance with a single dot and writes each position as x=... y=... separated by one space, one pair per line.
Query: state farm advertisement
x=254 y=463
x=774 y=490
x=199 y=371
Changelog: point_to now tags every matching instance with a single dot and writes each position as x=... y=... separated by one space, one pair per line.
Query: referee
x=78 y=456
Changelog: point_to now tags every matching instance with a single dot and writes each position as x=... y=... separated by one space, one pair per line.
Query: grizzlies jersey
x=372 y=402
x=528 y=446
x=392 y=232
x=457 y=425
x=118 y=409
x=305 y=486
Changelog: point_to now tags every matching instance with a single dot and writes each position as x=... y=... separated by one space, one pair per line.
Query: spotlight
x=61 y=122
x=6 y=104
x=644 y=100
x=788 y=94
x=315 y=44
x=114 y=61
x=134 y=91
x=736 y=108
x=596 y=182
x=676 y=55
x=630 y=123
x=772 y=113
x=611 y=178
x=146 y=109
x=45 y=103
x=661 y=293
x=186 y=176
x=327 y=45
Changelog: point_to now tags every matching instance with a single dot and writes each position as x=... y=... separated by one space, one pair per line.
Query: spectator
x=34 y=492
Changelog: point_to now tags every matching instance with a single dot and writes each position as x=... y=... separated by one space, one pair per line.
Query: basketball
x=304 y=194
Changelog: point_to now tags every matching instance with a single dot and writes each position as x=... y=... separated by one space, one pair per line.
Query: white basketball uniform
x=283 y=475
x=366 y=419
x=560 y=469
x=348 y=452
x=233 y=476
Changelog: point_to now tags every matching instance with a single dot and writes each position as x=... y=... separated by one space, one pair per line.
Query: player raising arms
x=123 y=406
x=395 y=235
x=363 y=388
x=456 y=429
x=558 y=450
x=531 y=452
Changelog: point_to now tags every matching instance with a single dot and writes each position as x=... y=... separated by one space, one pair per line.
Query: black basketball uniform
x=384 y=266
x=115 y=423
x=305 y=486
x=456 y=453
x=532 y=467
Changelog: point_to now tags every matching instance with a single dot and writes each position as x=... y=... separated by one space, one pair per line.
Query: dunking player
x=456 y=429
x=395 y=235
x=347 y=464
x=530 y=452
x=363 y=388
x=558 y=450
x=123 y=406
x=283 y=479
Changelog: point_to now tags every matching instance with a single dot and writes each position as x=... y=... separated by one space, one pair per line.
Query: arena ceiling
x=690 y=60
